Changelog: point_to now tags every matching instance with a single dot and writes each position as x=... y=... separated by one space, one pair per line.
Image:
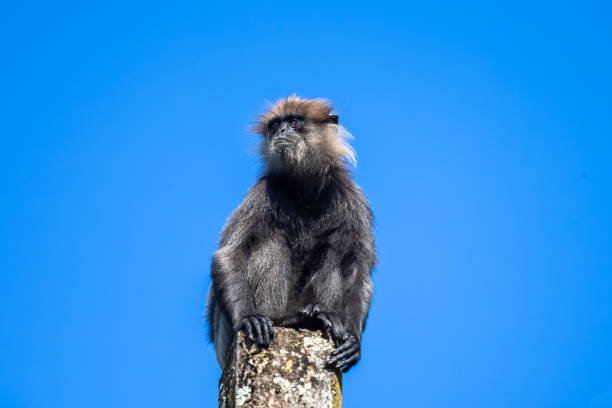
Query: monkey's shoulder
x=268 y=205
x=341 y=205
x=250 y=214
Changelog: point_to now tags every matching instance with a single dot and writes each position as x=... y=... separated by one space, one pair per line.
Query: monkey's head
x=302 y=136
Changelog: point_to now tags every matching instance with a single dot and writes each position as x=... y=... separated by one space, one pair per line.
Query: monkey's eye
x=273 y=126
x=294 y=122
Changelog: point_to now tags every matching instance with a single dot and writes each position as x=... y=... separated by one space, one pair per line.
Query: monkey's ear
x=333 y=119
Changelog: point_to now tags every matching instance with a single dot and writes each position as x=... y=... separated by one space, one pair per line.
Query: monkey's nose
x=284 y=128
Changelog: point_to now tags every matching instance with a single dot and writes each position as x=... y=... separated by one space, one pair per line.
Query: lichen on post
x=291 y=372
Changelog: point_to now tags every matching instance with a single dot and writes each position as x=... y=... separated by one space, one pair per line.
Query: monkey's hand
x=258 y=329
x=310 y=311
x=347 y=354
x=329 y=321
x=332 y=324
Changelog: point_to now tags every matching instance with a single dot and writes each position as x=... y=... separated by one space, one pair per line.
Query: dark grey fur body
x=296 y=240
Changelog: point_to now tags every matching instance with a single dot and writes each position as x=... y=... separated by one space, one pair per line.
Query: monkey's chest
x=309 y=254
x=311 y=244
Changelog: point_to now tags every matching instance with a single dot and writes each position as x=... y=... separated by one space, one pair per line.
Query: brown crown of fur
x=317 y=110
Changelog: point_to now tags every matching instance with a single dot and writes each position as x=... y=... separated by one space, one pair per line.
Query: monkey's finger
x=327 y=324
x=316 y=309
x=264 y=330
x=249 y=329
x=351 y=361
x=348 y=356
x=345 y=354
x=257 y=326
x=306 y=311
x=346 y=345
x=338 y=358
x=270 y=327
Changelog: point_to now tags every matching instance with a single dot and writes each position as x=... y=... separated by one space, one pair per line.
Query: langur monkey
x=299 y=250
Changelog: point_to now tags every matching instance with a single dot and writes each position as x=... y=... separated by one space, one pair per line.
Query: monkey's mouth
x=283 y=143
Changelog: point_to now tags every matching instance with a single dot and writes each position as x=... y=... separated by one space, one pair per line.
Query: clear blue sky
x=484 y=144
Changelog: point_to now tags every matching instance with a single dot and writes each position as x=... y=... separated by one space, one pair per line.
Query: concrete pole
x=290 y=372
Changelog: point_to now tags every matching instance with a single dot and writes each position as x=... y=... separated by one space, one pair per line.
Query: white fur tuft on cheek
x=338 y=141
x=347 y=150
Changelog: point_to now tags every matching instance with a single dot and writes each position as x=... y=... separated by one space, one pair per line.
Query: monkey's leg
x=266 y=271
x=235 y=296
x=356 y=300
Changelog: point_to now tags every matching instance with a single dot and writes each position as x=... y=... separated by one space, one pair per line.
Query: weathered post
x=291 y=372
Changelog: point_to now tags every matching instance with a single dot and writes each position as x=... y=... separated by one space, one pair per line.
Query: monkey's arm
x=354 y=311
x=357 y=294
x=235 y=296
x=231 y=286
x=356 y=300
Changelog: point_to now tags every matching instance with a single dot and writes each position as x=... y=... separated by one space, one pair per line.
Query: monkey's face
x=290 y=142
x=302 y=136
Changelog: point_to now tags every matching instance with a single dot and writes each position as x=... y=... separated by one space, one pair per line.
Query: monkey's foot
x=332 y=324
x=310 y=310
x=330 y=321
x=258 y=329
x=347 y=354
